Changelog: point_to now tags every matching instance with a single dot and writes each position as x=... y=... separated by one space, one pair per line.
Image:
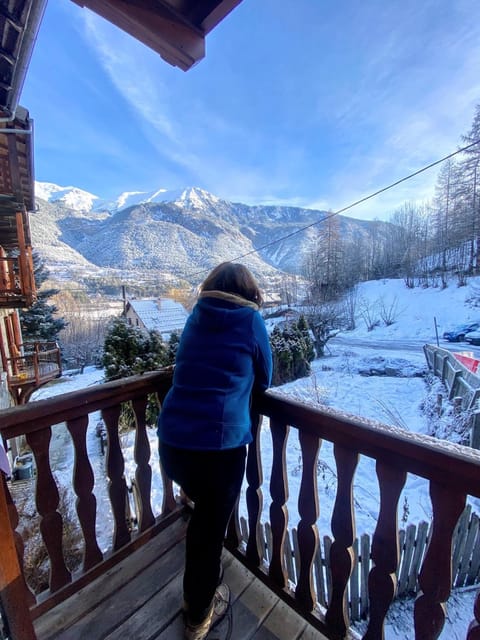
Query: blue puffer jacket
x=224 y=353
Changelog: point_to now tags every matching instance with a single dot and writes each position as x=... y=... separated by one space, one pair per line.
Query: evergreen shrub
x=292 y=351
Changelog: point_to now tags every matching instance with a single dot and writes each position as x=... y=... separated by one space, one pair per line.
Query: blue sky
x=297 y=102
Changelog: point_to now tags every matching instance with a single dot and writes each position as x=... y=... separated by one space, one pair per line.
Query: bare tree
x=369 y=313
x=324 y=322
x=83 y=338
x=470 y=165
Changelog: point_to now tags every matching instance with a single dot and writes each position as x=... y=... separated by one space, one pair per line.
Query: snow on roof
x=164 y=315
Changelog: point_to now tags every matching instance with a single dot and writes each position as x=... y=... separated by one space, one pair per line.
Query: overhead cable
x=350 y=206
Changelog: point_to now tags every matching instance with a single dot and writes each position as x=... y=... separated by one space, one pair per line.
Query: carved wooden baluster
x=47 y=500
x=254 y=496
x=143 y=472
x=435 y=577
x=474 y=627
x=308 y=511
x=83 y=483
x=343 y=530
x=20 y=547
x=117 y=486
x=278 y=508
x=382 y=581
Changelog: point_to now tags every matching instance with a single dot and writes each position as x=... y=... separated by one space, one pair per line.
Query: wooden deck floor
x=140 y=599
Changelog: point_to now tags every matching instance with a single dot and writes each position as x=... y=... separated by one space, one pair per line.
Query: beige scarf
x=229 y=297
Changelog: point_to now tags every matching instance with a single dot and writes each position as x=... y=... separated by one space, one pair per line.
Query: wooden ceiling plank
x=14 y=167
x=7 y=56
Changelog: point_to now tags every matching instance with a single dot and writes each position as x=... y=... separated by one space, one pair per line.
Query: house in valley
x=163 y=315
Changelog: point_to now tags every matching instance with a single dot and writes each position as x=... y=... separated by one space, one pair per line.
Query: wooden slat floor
x=140 y=599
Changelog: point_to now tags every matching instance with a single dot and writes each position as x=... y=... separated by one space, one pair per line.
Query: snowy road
x=408 y=347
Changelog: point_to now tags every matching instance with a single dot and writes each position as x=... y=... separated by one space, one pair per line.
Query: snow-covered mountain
x=71 y=197
x=83 y=201
x=188 y=198
x=174 y=233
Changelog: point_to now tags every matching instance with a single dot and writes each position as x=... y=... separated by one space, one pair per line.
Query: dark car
x=473 y=337
x=458 y=333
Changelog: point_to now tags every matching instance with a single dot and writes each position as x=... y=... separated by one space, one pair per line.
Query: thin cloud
x=317 y=135
x=120 y=56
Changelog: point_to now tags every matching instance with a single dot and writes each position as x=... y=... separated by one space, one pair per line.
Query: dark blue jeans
x=212 y=479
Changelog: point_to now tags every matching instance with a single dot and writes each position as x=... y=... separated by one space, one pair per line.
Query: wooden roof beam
x=216 y=12
x=157 y=25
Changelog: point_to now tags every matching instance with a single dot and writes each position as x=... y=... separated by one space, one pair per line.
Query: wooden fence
x=413 y=544
x=460 y=383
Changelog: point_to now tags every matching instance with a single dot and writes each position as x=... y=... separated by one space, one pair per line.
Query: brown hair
x=233 y=277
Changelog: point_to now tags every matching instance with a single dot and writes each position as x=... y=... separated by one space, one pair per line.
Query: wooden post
x=12 y=587
x=457 y=405
x=439 y=403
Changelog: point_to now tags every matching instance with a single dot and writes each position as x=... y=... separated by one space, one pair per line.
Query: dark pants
x=212 y=479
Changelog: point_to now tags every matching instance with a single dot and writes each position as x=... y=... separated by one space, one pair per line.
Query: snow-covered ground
x=335 y=380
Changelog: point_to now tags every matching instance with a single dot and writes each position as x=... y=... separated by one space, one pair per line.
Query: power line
x=326 y=217
x=350 y=206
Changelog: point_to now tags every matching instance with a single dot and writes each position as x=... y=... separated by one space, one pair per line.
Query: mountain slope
x=177 y=233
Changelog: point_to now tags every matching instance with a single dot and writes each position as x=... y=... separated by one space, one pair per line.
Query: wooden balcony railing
x=453 y=473
x=38 y=363
x=17 y=286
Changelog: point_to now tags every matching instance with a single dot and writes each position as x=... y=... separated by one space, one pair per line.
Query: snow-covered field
x=336 y=381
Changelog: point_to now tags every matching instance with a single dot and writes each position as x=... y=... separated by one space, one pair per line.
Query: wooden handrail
x=38 y=363
x=453 y=472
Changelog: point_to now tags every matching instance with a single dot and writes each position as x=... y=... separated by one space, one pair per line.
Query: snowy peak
x=80 y=200
x=71 y=197
x=189 y=198
x=193 y=198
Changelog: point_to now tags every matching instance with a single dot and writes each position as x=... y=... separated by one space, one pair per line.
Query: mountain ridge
x=175 y=234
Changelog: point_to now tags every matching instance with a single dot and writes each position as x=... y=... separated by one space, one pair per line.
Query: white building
x=164 y=316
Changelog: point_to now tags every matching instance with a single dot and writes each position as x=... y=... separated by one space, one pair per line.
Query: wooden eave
x=16 y=179
x=175 y=29
x=19 y=24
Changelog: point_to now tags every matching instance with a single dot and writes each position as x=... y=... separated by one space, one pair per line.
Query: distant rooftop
x=164 y=315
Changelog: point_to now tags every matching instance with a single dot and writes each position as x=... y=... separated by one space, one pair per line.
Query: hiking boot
x=216 y=613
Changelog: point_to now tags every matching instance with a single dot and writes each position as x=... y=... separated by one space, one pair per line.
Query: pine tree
x=128 y=351
x=39 y=322
x=282 y=358
x=173 y=343
x=292 y=352
x=308 y=346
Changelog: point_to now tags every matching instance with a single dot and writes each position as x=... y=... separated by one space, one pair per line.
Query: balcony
x=17 y=290
x=37 y=364
x=109 y=593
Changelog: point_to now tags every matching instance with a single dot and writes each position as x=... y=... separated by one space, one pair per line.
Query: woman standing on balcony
x=224 y=355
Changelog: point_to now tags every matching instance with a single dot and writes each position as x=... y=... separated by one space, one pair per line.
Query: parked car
x=458 y=333
x=473 y=337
